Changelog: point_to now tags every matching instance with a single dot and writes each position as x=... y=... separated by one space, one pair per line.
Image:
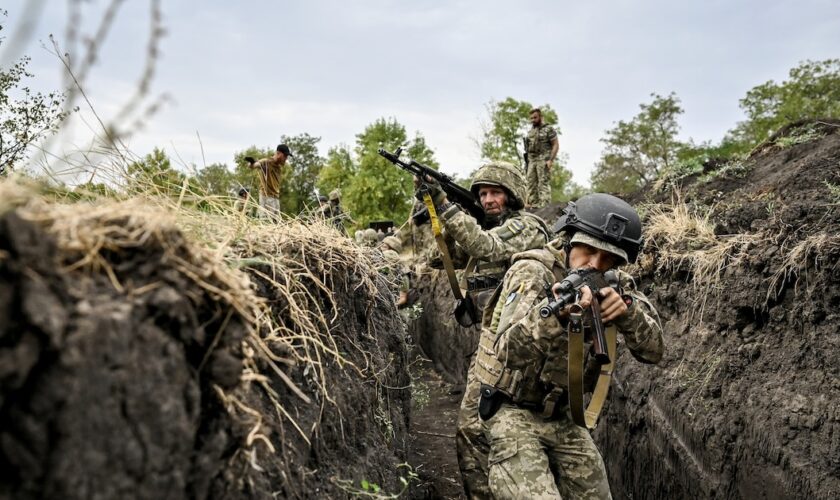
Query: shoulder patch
x=511 y=229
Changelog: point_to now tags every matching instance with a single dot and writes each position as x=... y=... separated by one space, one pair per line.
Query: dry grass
x=815 y=247
x=207 y=247
x=685 y=240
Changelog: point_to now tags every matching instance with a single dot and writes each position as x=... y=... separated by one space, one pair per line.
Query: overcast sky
x=245 y=72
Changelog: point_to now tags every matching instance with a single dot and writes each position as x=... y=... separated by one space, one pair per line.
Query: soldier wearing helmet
x=331 y=211
x=538 y=447
x=486 y=251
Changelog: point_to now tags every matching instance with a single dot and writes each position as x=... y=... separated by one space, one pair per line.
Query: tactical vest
x=482 y=278
x=539 y=142
x=541 y=382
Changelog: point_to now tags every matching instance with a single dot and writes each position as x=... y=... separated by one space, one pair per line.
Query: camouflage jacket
x=539 y=142
x=486 y=253
x=523 y=339
x=519 y=231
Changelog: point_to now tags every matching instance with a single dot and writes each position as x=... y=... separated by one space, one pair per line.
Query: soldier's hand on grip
x=612 y=304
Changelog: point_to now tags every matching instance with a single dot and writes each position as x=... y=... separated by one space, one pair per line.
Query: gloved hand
x=433 y=188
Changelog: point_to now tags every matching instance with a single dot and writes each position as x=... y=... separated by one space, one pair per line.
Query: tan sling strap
x=587 y=417
x=444 y=252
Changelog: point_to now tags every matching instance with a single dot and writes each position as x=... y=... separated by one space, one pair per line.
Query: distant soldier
x=270 y=169
x=486 y=255
x=541 y=148
x=243 y=203
x=332 y=212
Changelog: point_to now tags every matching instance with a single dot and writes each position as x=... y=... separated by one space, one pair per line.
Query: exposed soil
x=111 y=375
x=106 y=394
x=747 y=401
x=433 y=415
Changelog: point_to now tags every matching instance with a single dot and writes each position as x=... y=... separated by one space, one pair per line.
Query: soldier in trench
x=539 y=449
x=485 y=253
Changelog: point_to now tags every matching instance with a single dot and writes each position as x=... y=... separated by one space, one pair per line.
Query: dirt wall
x=134 y=365
x=745 y=403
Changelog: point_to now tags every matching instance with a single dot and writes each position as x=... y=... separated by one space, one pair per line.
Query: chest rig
x=558 y=378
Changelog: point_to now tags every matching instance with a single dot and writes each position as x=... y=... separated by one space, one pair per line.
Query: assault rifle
x=569 y=291
x=526 y=144
x=454 y=192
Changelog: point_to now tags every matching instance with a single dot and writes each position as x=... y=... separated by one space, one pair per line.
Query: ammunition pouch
x=465 y=312
x=475 y=283
x=490 y=402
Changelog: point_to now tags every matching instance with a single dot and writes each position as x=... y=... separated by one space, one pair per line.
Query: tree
x=812 y=91
x=562 y=187
x=379 y=190
x=509 y=121
x=338 y=170
x=638 y=150
x=154 y=174
x=216 y=179
x=25 y=116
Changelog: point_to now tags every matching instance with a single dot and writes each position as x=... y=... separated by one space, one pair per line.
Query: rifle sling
x=587 y=416
x=444 y=252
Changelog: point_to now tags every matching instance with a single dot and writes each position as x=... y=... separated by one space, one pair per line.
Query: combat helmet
x=505 y=175
x=335 y=195
x=603 y=221
x=392 y=243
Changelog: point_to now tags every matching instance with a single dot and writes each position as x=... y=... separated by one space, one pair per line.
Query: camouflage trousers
x=539 y=184
x=270 y=207
x=471 y=442
x=534 y=458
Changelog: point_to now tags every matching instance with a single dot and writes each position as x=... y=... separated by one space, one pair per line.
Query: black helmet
x=611 y=222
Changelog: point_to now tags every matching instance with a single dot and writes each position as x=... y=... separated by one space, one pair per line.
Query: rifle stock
x=455 y=193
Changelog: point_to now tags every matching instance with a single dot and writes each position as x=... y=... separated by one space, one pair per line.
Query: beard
x=493 y=220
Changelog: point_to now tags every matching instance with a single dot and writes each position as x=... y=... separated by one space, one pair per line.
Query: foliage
x=811 y=91
x=562 y=187
x=638 y=150
x=338 y=170
x=154 y=173
x=26 y=117
x=379 y=190
x=216 y=179
x=834 y=190
x=509 y=121
x=801 y=135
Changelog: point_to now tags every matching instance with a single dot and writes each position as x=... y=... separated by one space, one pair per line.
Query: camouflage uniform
x=539 y=177
x=532 y=457
x=487 y=255
x=332 y=211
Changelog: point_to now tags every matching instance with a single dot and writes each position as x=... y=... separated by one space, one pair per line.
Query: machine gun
x=569 y=291
x=454 y=192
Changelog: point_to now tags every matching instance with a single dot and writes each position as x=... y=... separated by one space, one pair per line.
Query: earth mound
x=136 y=363
x=742 y=264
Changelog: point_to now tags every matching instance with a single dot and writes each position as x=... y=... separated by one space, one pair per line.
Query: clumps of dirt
x=741 y=263
x=136 y=363
x=113 y=333
x=337 y=425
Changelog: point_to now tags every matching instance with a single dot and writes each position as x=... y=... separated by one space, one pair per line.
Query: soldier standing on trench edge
x=487 y=252
x=537 y=450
